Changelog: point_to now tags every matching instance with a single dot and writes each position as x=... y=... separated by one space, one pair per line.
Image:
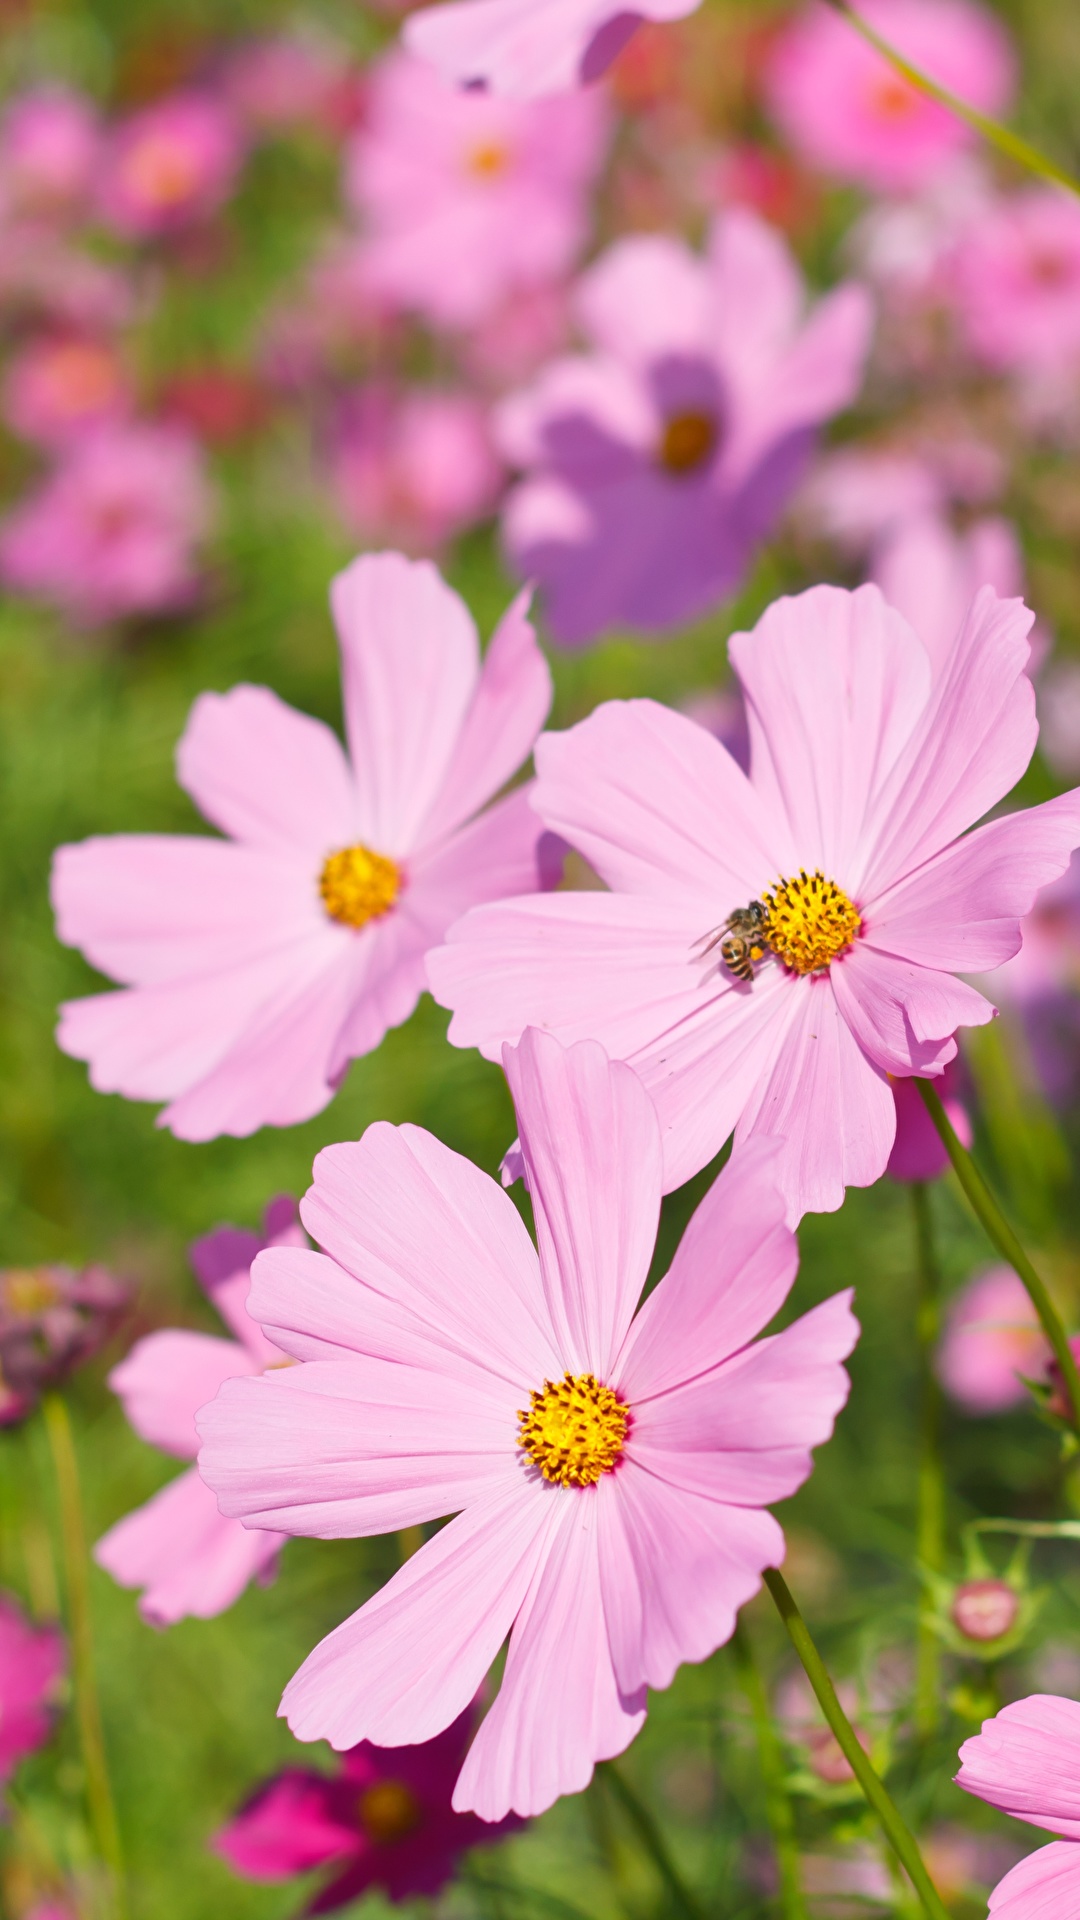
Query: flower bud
x=52 y=1319
x=985 y=1609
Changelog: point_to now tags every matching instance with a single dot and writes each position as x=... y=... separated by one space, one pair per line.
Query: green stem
x=896 y=1832
x=777 y=1800
x=651 y=1839
x=1003 y=138
x=87 y=1712
x=930 y=1524
x=998 y=1230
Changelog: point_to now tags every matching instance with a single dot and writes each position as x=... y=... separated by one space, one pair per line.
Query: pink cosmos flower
x=526 y=48
x=849 y=113
x=112 y=532
x=917 y=1152
x=992 y=1341
x=413 y=468
x=188 y=1559
x=256 y=967
x=384 y=1819
x=169 y=165
x=850 y=834
x=657 y=462
x=1026 y=1761
x=609 y=1473
x=32 y=1662
x=61 y=386
x=43 y=277
x=468 y=199
x=289 y=80
x=1015 y=282
x=49 y=147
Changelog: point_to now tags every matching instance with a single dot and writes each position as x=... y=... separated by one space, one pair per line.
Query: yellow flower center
x=489 y=159
x=688 y=440
x=809 y=921
x=574 y=1429
x=162 y=170
x=28 y=1290
x=388 y=1811
x=893 y=98
x=358 y=885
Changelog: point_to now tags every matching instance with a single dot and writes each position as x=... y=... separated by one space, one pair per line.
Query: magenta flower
x=848 y=112
x=49 y=147
x=413 y=468
x=991 y=1343
x=525 y=48
x=656 y=463
x=52 y=1320
x=255 y=968
x=32 y=1662
x=850 y=835
x=169 y=165
x=112 y=532
x=383 y=1819
x=178 y=1548
x=917 y=1152
x=609 y=1472
x=1026 y=1761
x=1015 y=281
x=469 y=199
x=58 y=387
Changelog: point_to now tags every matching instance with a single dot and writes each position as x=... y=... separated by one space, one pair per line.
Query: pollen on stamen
x=358 y=885
x=574 y=1429
x=810 y=920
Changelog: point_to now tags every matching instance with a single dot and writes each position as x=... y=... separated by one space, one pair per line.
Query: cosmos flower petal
x=904 y=1015
x=646 y=297
x=265 y=774
x=593 y=1166
x=1045 y=1886
x=411 y=1660
x=1026 y=1760
x=190 y=1561
x=819 y=375
x=508 y=709
x=167 y=1377
x=32 y=1662
x=522 y=49
x=288 y=1827
x=559 y=1708
x=311 y=1309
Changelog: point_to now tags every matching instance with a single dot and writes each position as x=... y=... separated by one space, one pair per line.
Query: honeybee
x=741 y=940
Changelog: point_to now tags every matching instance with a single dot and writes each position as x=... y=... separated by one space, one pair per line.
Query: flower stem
x=930 y=1524
x=88 y=1715
x=651 y=1839
x=1003 y=138
x=896 y=1831
x=777 y=1800
x=998 y=1230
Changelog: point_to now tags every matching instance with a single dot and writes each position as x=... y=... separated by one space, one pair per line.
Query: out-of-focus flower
x=838 y=1882
x=1015 y=279
x=991 y=1343
x=178 y=1548
x=1026 y=1760
x=43 y=278
x=260 y=965
x=469 y=199
x=1059 y=716
x=1042 y=984
x=50 y=141
x=382 y=1819
x=32 y=1662
x=609 y=1472
x=931 y=574
x=847 y=111
x=169 y=165
x=221 y=405
x=510 y=344
x=772 y=185
x=859 y=496
x=962 y=1864
x=525 y=48
x=412 y=469
x=985 y=1609
x=58 y=387
x=658 y=461
x=292 y=80
x=52 y=1319
x=850 y=835
x=917 y=1152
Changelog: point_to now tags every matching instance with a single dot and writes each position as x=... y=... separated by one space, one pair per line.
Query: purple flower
x=52 y=1319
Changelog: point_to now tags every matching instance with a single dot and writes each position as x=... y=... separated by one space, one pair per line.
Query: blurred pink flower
x=50 y=142
x=32 y=1662
x=848 y=112
x=412 y=468
x=609 y=1559
x=866 y=773
x=112 y=532
x=57 y=387
x=992 y=1337
x=52 y=1320
x=468 y=199
x=258 y=966
x=169 y=165
x=44 y=278
x=1015 y=280
x=917 y=1152
x=656 y=463
x=188 y=1559
x=1026 y=1760
x=382 y=1819
x=290 y=80
x=525 y=48
x=1059 y=717
x=931 y=574
x=221 y=405
x=512 y=342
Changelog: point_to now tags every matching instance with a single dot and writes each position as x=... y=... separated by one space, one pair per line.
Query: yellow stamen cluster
x=489 y=160
x=388 y=1811
x=810 y=920
x=688 y=440
x=358 y=885
x=574 y=1429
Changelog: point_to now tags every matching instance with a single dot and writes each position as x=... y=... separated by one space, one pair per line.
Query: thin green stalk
x=998 y=1230
x=930 y=1524
x=80 y=1627
x=1003 y=138
x=409 y=1540
x=777 y=1799
x=651 y=1839
x=896 y=1831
